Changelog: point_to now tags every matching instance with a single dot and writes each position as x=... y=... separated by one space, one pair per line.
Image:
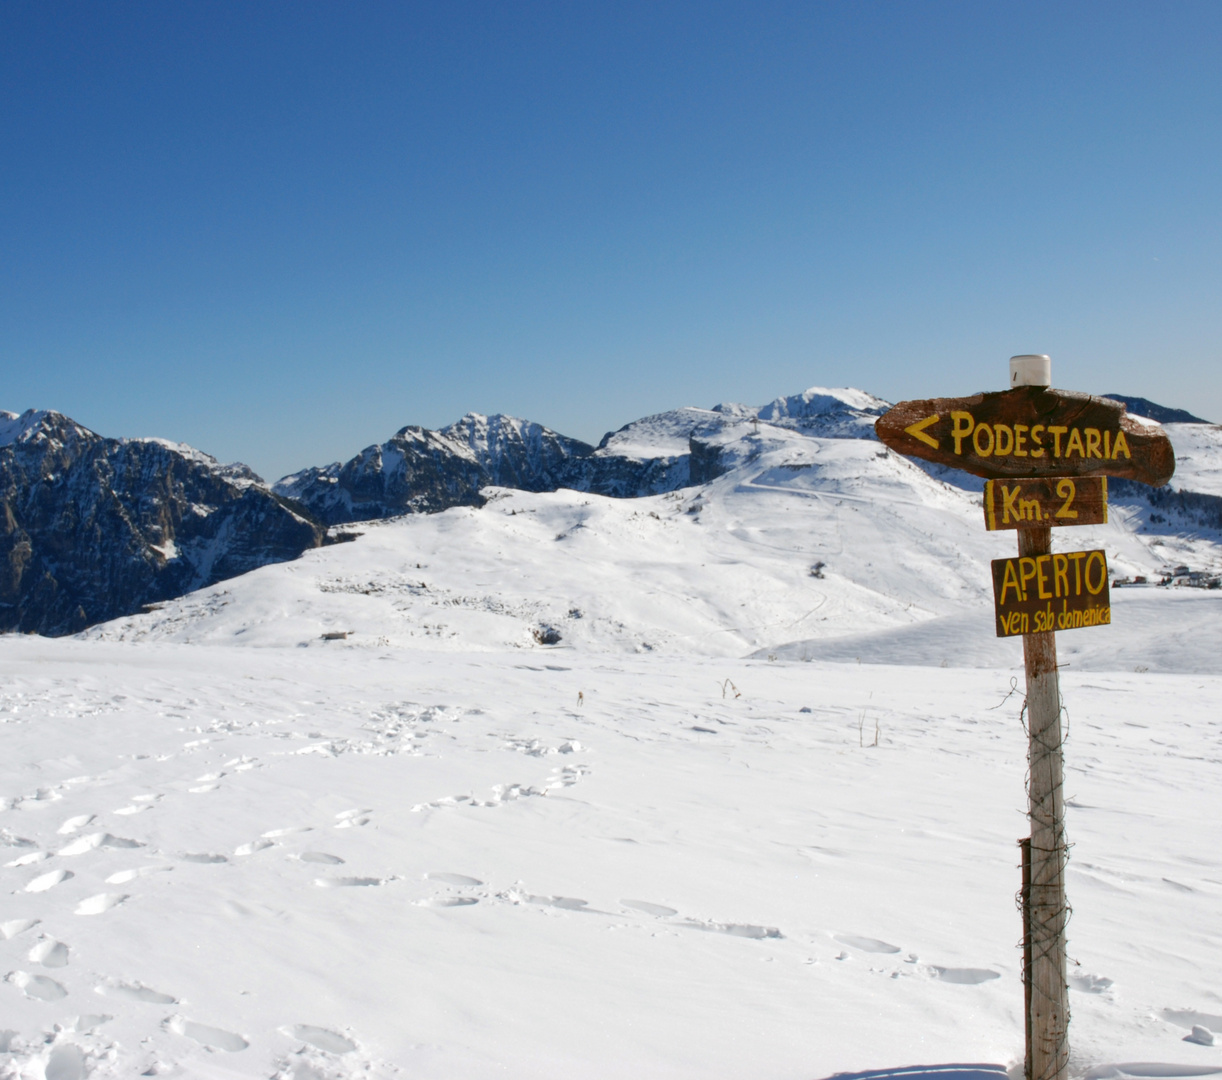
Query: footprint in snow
x=318 y=857
x=460 y=880
x=865 y=944
x=275 y=833
x=743 y=930
x=96 y=905
x=661 y=911
x=122 y=877
x=964 y=976
x=321 y=1038
x=349 y=882
x=50 y=953
x=14 y=927
x=1090 y=984
x=348 y=819
x=216 y=1038
x=30 y=859
x=38 y=987
x=87 y=1022
x=447 y=901
x=48 y=881
x=204 y=857
x=136 y=992
x=74 y=823
x=98 y=840
x=253 y=846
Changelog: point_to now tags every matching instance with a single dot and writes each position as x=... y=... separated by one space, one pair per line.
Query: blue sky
x=282 y=231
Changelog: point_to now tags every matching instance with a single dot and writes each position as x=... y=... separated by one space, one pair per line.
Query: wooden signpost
x=1046 y=455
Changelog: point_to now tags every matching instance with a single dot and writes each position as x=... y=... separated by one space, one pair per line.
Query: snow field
x=367 y=863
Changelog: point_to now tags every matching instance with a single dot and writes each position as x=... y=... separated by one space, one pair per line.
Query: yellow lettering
x=1060 y=575
x=1066 y=490
x=917 y=430
x=1020 y=440
x=1121 y=445
x=1036 y=433
x=1077 y=557
x=961 y=427
x=1093 y=438
x=1107 y=444
x=1026 y=573
x=1041 y=576
x=1029 y=510
x=1010 y=581
x=980 y=450
x=1009 y=507
x=1008 y=432
x=1056 y=433
x=1075 y=439
x=1096 y=557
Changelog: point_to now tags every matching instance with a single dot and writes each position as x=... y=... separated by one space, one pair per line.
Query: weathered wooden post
x=1046 y=455
x=1045 y=914
x=1025 y=896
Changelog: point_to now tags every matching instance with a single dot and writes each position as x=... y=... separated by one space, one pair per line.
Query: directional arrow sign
x=1030 y=431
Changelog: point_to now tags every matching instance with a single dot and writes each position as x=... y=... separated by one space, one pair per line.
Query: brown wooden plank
x=1043 y=593
x=1030 y=431
x=1023 y=502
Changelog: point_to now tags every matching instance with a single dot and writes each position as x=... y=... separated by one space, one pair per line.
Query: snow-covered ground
x=753 y=814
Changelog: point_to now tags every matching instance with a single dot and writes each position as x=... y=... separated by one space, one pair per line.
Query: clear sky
x=281 y=231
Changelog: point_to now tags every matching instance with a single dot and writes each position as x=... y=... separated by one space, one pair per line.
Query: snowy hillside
x=799 y=541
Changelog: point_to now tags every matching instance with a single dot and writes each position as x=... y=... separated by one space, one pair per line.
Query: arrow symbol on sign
x=917 y=430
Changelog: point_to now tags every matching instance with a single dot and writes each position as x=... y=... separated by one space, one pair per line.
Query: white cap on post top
x=1031 y=370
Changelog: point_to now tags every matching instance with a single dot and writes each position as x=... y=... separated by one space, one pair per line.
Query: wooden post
x=1046 y=912
x=1025 y=896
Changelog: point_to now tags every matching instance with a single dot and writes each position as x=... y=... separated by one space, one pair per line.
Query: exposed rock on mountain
x=421 y=471
x=93 y=528
x=1152 y=411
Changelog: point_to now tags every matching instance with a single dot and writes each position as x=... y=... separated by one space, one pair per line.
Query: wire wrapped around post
x=1047 y=912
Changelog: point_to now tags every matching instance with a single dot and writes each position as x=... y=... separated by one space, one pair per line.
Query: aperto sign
x=1030 y=431
x=1035 y=594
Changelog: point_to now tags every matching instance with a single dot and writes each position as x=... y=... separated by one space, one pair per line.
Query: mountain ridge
x=95 y=528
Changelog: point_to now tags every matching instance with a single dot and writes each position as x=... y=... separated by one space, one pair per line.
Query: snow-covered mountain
x=94 y=528
x=422 y=471
x=97 y=528
x=791 y=543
